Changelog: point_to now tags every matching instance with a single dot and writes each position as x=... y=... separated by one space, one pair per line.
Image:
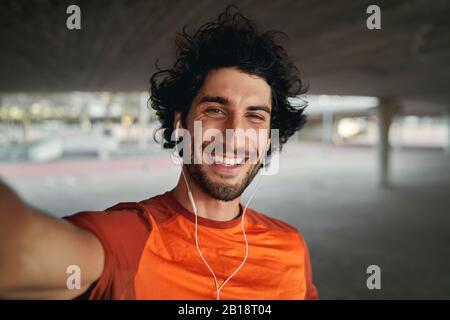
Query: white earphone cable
x=191 y=198
x=194 y=208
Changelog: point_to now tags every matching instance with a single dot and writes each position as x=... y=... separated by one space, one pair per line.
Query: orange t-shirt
x=150 y=253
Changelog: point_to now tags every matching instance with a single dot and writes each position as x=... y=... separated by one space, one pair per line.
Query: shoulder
x=280 y=233
x=123 y=230
x=121 y=216
x=263 y=220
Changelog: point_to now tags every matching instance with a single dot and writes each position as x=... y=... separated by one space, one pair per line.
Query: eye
x=215 y=112
x=256 y=117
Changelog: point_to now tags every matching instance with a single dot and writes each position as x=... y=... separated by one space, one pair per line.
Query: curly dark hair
x=231 y=41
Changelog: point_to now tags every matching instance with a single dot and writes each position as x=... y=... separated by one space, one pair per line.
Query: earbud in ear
x=263 y=155
x=177 y=126
x=267 y=146
x=176 y=153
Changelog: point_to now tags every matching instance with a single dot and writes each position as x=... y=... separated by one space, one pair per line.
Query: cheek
x=212 y=134
x=204 y=131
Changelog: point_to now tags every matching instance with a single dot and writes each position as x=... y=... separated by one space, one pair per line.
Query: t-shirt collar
x=179 y=208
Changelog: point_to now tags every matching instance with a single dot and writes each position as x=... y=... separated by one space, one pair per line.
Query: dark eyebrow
x=226 y=102
x=256 y=108
x=216 y=99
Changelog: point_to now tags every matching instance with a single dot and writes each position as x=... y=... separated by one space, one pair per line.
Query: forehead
x=237 y=86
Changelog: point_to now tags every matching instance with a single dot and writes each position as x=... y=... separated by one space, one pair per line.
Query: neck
x=207 y=206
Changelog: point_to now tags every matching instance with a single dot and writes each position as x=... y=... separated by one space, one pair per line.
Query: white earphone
x=194 y=208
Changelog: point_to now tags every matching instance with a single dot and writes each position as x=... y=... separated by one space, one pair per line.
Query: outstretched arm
x=36 y=249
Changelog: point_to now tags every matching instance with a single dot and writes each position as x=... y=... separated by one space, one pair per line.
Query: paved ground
x=327 y=192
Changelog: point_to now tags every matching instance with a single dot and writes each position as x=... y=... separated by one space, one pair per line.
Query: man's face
x=229 y=99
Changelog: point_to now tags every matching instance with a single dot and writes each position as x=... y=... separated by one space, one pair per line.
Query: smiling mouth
x=228 y=161
x=226 y=164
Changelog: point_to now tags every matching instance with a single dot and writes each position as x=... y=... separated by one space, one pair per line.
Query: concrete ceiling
x=408 y=59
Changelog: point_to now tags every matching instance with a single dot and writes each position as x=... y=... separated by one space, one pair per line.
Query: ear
x=176 y=119
x=267 y=146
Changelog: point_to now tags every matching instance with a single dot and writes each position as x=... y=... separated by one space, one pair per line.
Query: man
x=196 y=241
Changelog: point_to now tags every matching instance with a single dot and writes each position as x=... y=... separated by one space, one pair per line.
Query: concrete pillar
x=385 y=114
x=327 y=127
x=447 y=145
x=143 y=119
x=402 y=129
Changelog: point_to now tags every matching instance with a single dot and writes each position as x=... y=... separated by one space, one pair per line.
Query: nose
x=235 y=134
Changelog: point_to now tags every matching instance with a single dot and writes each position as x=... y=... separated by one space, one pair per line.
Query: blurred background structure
x=367 y=181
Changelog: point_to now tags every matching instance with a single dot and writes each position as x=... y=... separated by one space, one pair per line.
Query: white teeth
x=228 y=161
